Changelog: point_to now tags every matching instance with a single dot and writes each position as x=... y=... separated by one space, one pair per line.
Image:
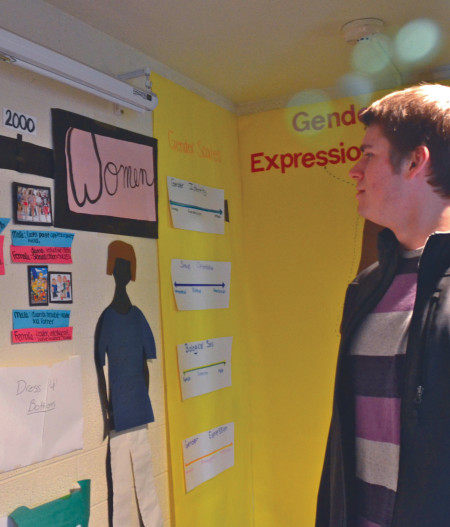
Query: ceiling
x=255 y=51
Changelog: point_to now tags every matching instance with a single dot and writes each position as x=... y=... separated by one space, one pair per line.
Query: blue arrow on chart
x=178 y=204
x=199 y=285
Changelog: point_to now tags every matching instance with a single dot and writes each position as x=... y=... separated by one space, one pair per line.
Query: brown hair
x=412 y=117
x=119 y=249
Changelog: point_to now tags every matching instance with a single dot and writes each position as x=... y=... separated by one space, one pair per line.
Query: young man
x=388 y=455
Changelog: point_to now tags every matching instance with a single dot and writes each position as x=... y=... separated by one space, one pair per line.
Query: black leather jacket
x=423 y=494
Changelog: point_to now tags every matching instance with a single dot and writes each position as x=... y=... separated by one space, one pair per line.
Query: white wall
x=93 y=289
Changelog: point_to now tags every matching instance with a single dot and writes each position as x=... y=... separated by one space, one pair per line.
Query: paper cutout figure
x=69 y=511
x=125 y=337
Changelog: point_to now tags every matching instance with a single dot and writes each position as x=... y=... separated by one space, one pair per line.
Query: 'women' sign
x=105 y=177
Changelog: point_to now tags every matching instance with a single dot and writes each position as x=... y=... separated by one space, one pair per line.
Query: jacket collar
x=435 y=258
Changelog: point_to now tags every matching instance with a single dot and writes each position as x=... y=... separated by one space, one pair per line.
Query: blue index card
x=3 y=223
x=33 y=318
x=41 y=238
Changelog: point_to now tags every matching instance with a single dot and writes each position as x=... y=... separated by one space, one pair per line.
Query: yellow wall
x=302 y=239
x=294 y=241
x=213 y=160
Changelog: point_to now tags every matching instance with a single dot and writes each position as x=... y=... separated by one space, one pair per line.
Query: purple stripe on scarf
x=400 y=296
x=378 y=419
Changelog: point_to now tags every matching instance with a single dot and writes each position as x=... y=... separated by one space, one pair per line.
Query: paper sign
x=3 y=223
x=196 y=207
x=31 y=318
x=72 y=510
x=27 y=254
x=40 y=412
x=201 y=284
x=208 y=454
x=41 y=238
x=20 y=336
x=2 y=260
x=106 y=175
x=204 y=366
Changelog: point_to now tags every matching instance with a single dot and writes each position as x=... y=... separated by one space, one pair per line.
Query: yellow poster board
x=197 y=142
x=303 y=242
x=294 y=243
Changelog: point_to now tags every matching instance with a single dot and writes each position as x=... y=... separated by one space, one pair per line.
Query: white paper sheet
x=41 y=410
x=201 y=284
x=196 y=207
x=207 y=454
x=204 y=366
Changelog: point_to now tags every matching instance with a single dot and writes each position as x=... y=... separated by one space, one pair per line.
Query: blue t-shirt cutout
x=128 y=341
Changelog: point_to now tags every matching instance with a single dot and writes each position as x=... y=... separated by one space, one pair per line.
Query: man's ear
x=419 y=162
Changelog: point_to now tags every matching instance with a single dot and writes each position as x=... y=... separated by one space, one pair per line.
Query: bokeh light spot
x=372 y=55
x=354 y=84
x=308 y=97
x=418 y=41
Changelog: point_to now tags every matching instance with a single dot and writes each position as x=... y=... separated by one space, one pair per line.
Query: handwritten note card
x=40 y=412
x=21 y=336
x=41 y=238
x=28 y=254
x=208 y=454
x=196 y=207
x=201 y=284
x=204 y=366
x=44 y=318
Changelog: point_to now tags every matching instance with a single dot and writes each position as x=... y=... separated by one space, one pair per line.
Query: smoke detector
x=361 y=28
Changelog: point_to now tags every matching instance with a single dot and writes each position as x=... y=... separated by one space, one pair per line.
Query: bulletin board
x=48 y=331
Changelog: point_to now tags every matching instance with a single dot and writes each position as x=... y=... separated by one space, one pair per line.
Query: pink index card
x=29 y=254
x=41 y=335
x=2 y=260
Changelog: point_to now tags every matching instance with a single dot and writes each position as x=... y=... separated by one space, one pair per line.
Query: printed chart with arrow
x=204 y=366
x=196 y=207
x=207 y=454
x=199 y=284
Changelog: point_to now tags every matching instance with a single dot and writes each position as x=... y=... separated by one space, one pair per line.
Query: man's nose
x=357 y=171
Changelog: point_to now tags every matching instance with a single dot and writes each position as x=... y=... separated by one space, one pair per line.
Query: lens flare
x=418 y=41
x=308 y=97
x=353 y=84
x=372 y=55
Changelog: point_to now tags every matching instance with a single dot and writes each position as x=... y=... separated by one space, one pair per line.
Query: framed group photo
x=32 y=204
x=60 y=286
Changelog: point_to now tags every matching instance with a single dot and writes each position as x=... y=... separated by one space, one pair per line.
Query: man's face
x=379 y=190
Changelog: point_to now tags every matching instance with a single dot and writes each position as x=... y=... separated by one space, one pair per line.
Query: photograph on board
x=60 y=285
x=32 y=204
x=38 y=285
